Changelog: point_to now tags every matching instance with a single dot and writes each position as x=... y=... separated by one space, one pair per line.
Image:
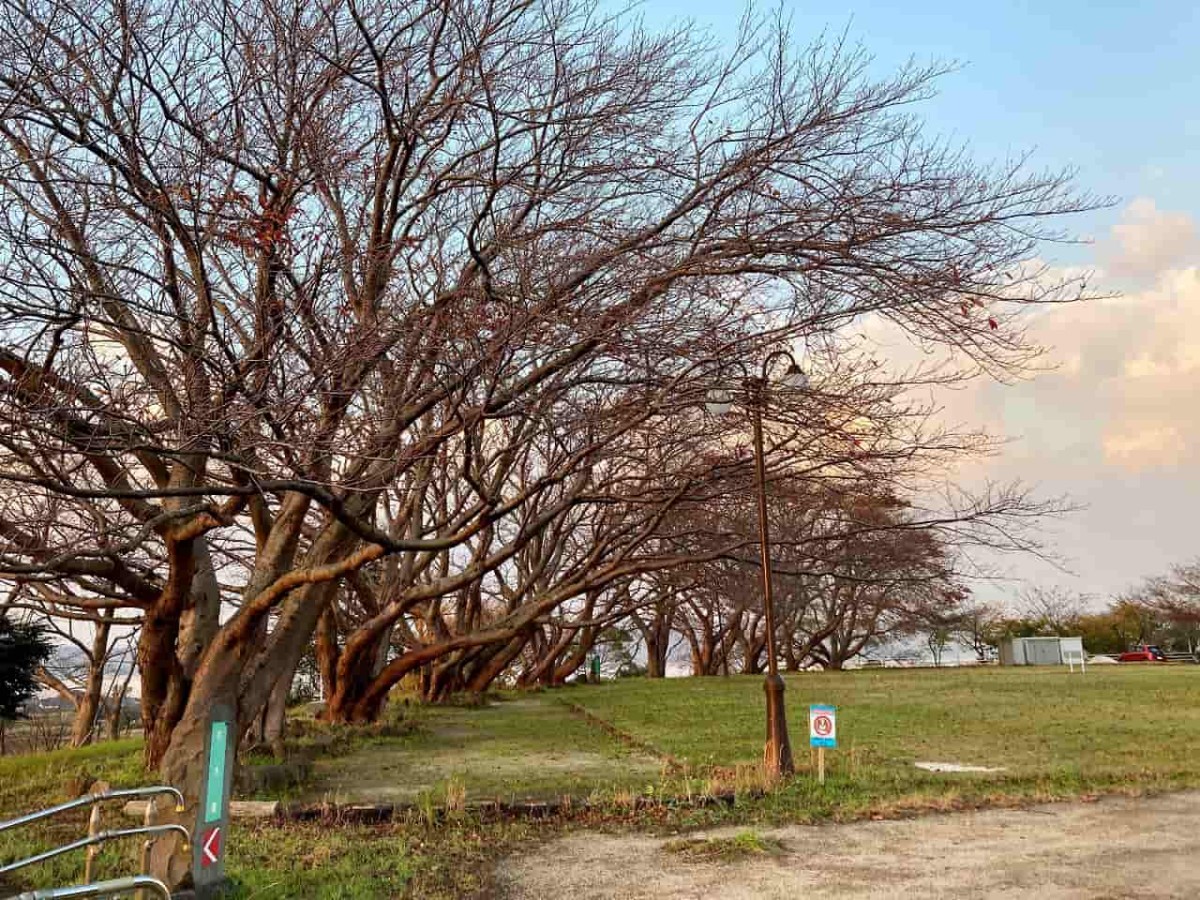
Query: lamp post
x=777 y=754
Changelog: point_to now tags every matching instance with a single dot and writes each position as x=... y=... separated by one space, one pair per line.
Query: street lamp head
x=719 y=402
x=795 y=378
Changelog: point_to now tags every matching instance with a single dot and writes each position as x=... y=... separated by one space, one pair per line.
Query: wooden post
x=238 y=809
x=89 y=865
x=150 y=818
x=820 y=765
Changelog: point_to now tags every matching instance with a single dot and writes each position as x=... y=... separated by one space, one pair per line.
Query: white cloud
x=1132 y=372
x=1115 y=422
x=1122 y=393
x=1145 y=447
x=1147 y=241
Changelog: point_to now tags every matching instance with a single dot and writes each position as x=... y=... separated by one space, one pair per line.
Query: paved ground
x=1114 y=848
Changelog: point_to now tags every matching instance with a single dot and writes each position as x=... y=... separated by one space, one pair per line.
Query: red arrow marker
x=210 y=847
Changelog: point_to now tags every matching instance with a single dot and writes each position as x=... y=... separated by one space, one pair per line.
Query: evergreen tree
x=23 y=648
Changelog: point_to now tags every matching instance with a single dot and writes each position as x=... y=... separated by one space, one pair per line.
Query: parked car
x=1144 y=653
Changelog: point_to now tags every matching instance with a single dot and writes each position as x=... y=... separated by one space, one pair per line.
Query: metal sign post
x=822 y=733
x=212 y=825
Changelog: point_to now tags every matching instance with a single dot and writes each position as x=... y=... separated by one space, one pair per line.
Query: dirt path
x=1115 y=848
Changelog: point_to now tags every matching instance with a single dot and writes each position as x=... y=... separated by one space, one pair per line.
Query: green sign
x=211 y=833
x=214 y=800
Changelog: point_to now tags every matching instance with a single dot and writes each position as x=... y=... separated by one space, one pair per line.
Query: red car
x=1144 y=653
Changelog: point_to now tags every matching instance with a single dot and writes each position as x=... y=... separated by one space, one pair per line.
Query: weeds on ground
x=724 y=849
x=456 y=796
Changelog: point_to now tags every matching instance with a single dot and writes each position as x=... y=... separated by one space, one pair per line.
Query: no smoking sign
x=822 y=726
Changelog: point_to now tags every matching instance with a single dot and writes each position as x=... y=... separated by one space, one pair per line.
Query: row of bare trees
x=1163 y=610
x=850 y=573
x=92 y=671
x=381 y=331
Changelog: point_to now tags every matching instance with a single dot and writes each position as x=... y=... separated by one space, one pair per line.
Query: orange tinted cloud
x=1148 y=241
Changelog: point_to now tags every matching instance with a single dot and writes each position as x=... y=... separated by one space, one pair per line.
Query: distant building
x=1040 y=651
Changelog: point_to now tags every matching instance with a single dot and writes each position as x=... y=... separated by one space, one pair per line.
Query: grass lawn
x=1055 y=735
x=265 y=861
x=528 y=747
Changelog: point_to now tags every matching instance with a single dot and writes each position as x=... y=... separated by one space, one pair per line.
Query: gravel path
x=1114 y=848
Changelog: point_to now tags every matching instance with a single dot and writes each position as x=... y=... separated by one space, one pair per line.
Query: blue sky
x=1111 y=91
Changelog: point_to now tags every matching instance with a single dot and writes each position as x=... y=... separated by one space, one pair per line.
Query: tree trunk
x=274 y=717
x=656 y=657
x=87 y=713
x=347 y=675
x=657 y=638
x=492 y=668
x=184 y=762
x=571 y=664
x=201 y=619
x=176 y=632
x=754 y=652
x=83 y=728
x=164 y=696
x=115 y=711
x=238 y=670
x=328 y=659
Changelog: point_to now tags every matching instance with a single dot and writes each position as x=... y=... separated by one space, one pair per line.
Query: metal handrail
x=100 y=889
x=92 y=800
x=94 y=839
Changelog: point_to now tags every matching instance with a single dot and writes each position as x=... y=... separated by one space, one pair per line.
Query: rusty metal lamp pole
x=777 y=754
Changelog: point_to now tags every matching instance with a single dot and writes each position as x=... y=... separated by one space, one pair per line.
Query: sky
x=1110 y=91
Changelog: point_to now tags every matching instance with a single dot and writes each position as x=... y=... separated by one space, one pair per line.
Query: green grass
x=724 y=849
x=1031 y=720
x=34 y=781
x=316 y=861
x=264 y=861
x=530 y=747
x=45 y=775
x=1055 y=734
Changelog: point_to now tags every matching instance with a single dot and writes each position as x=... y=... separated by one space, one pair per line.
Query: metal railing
x=141 y=882
x=101 y=889
x=92 y=800
x=90 y=840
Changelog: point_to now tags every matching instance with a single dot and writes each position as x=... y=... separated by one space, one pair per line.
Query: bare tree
x=266 y=270
x=1054 y=610
x=1173 y=598
x=94 y=656
x=653 y=617
x=977 y=627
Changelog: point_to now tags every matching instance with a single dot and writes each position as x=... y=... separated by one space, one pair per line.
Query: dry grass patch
x=724 y=849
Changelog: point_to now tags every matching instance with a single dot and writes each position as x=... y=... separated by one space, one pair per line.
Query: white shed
x=1040 y=651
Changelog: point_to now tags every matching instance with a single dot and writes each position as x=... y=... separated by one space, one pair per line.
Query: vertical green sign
x=214 y=797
